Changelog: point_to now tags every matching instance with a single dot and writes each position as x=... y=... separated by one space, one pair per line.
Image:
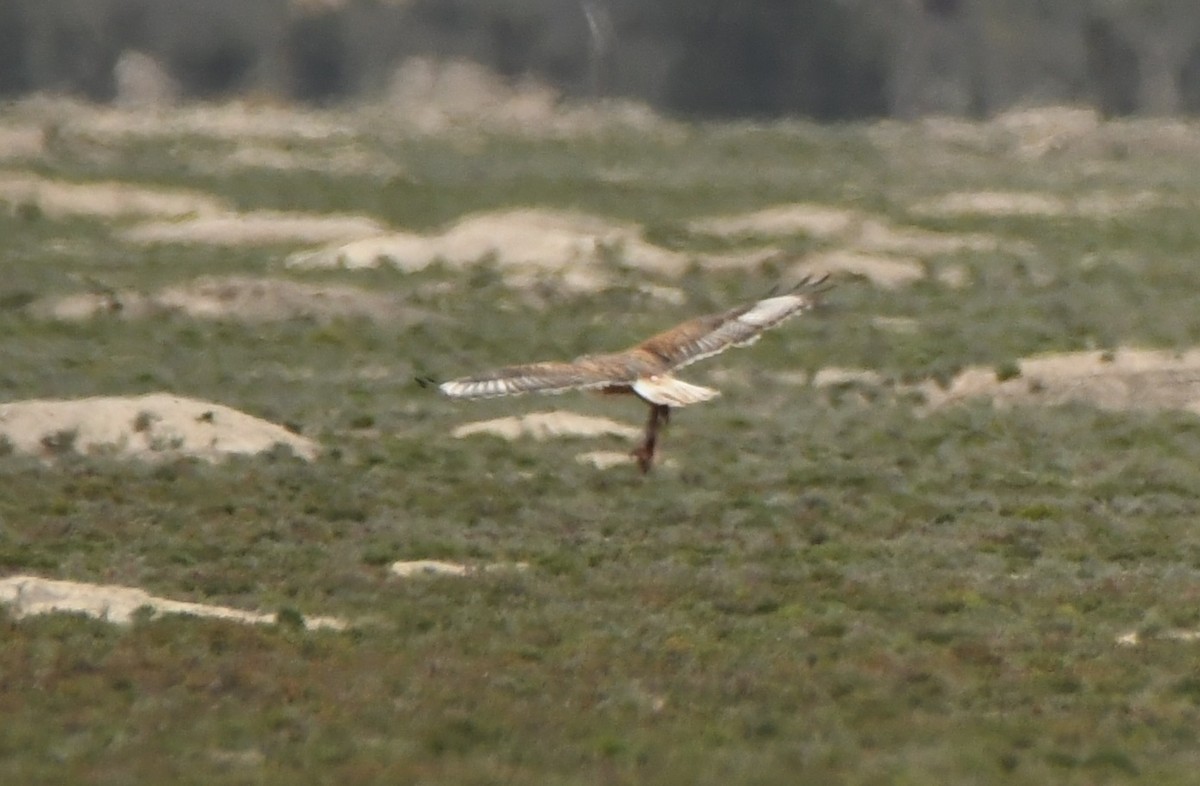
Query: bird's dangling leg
x=660 y=414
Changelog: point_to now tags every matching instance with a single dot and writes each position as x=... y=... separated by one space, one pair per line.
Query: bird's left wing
x=706 y=336
x=596 y=371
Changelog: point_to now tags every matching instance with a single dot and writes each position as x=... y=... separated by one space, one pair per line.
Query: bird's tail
x=666 y=389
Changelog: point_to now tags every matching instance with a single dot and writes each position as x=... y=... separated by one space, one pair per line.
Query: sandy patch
x=993 y=203
x=748 y=260
x=832 y=376
x=1056 y=134
x=235 y=121
x=944 y=129
x=887 y=272
x=1036 y=131
x=672 y=295
x=256 y=228
x=814 y=220
x=608 y=459
x=181 y=216
x=523 y=243
x=147 y=427
x=1007 y=204
x=22 y=142
x=958 y=276
x=886 y=254
x=851 y=229
x=1133 y=638
x=31 y=595
x=1121 y=380
x=243 y=298
x=433 y=567
x=1027 y=133
x=60 y=199
x=875 y=235
x=426 y=567
x=547 y=425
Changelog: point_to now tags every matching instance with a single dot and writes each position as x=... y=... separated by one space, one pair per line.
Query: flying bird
x=645 y=370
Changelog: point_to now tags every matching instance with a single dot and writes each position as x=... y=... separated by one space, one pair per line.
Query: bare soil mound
x=144 y=427
x=887 y=255
x=1028 y=133
x=801 y=218
x=833 y=376
x=1080 y=132
x=523 y=243
x=1122 y=380
x=851 y=229
x=21 y=142
x=887 y=272
x=237 y=121
x=242 y=298
x=547 y=425
x=1133 y=638
x=60 y=199
x=876 y=235
x=1003 y=204
x=31 y=595
x=1035 y=131
x=256 y=228
x=432 y=567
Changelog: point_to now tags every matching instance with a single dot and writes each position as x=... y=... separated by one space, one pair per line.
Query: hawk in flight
x=645 y=370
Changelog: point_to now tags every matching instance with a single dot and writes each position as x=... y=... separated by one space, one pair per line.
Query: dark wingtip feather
x=426 y=382
x=811 y=283
x=815 y=285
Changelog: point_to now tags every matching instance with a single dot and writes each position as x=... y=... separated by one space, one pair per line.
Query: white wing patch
x=666 y=389
x=773 y=310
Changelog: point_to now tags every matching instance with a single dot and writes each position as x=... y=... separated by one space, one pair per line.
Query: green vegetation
x=827 y=589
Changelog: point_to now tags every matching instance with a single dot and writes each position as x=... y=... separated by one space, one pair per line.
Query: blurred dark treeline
x=826 y=59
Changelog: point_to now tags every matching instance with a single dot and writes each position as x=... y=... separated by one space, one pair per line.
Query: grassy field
x=830 y=584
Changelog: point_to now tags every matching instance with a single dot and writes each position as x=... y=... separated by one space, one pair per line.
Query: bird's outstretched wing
x=644 y=369
x=597 y=371
x=706 y=336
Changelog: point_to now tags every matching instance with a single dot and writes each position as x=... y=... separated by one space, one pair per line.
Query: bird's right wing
x=706 y=336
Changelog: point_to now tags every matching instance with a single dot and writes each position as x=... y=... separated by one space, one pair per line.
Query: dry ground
x=941 y=530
